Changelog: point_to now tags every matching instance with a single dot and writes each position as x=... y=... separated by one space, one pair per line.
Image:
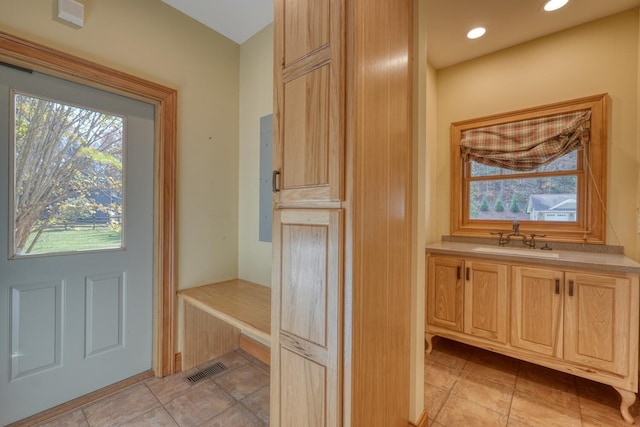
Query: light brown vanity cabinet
x=468 y=297
x=579 y=317
x=575 y=320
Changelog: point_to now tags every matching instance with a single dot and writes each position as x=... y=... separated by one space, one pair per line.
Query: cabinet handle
x=557 y=286
x=274 y=181
x=458 y=272
x=570 y=288
x=468 y=273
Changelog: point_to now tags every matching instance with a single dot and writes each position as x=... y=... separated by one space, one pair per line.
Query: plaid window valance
x=527 y=144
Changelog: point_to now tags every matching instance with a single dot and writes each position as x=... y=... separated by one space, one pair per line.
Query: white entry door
x=76 y=240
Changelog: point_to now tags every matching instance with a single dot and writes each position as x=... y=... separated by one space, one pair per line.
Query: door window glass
x=67 y=177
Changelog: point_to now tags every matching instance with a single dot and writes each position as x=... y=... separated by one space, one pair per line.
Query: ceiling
x=508 y=22
x=237 y=20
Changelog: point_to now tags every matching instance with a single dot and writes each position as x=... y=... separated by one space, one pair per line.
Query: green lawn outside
x=81 y=239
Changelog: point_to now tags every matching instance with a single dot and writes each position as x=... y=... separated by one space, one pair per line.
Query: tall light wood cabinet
x=342 y=203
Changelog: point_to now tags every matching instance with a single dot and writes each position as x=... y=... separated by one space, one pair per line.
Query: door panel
x=307 y=27
x=304 y=390
x=73 y=323
x=306 y=131
x=308 y=146
x=306 y=321
x=445 y=293
x=36 y=334
x=536 y=310
x=104 y=313
x=304 y=293
x=597 y=316
x=486 y=300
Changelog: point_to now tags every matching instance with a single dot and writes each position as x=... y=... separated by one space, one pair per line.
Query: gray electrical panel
x=266 y=150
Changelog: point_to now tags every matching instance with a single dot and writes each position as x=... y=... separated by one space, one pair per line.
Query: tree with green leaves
x=514 y=205
x=63 y=156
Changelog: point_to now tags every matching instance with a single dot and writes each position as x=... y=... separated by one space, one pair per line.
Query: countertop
x=565 y=258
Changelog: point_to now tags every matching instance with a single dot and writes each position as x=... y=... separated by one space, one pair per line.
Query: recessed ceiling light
x=552 y=5
x=476 y=33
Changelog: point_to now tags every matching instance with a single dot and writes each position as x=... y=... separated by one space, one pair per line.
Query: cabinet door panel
x=597 y=316
x=308 y=146
x=536 y=310
x=306 y=131
x=304 y=290
x=306 y=319
x=485 y=301
x=445 y=292
x=307 y=27
x=303 y=385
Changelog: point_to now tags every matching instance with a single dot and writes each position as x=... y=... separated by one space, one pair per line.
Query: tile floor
x=464 y=387
x=236 y=397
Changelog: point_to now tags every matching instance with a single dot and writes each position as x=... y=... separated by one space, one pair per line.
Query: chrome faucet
x=528 y=242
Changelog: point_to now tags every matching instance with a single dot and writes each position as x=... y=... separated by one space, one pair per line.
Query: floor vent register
x=205 y=373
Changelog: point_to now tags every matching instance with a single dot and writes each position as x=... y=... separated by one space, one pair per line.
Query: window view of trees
x=547 y=194
x=546 y=175
x=68 y=180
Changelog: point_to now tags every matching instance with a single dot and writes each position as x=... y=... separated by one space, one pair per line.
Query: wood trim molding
x=591 y=224
x=255 y=348
x=422 y=422
x=23 y=53
x=81 y=401
x=178 y=363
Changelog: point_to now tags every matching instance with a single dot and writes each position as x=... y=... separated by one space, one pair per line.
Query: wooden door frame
x=23 y=53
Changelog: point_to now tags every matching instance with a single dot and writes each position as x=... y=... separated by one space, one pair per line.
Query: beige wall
x=432 y=150
x=154 y=41
x=598 y=57
x=638 y=148
x=256 y=100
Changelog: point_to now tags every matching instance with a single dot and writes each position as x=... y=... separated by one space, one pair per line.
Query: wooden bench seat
x=220 y=317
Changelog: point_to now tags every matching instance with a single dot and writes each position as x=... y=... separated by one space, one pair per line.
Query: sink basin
x=531 y=253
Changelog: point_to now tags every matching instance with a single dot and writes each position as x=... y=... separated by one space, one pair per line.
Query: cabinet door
x=597 y=321
x=445 y=292
x=306 y=321
x=309 y=101
x=536 y=310
x=485 y=300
